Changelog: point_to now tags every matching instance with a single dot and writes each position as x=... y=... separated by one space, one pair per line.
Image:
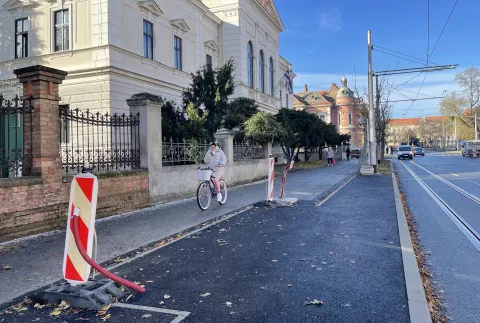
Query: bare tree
x=455 y=105
x=469 y=80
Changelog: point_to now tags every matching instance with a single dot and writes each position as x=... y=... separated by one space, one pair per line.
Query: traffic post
x=83 y=197
x=271 y=177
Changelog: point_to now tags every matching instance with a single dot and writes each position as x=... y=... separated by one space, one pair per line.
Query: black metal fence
x=16 y=133
x=247 y=150
x=103 y=142
x=183 y=152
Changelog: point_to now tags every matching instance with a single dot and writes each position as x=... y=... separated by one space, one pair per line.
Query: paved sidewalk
x=263 y=265
x=37 y=262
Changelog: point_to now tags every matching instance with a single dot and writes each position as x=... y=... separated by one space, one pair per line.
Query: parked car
x=405 y=151
x=471 y=148
x=355 y=153
x=418 y=151
x=394 y=150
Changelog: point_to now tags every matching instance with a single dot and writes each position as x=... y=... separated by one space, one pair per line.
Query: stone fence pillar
x=268 y=150
x=149 y=106
x=224 y=137
x=42 y=148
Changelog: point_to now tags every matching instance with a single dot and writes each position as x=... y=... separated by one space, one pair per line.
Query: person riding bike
x=216 y=160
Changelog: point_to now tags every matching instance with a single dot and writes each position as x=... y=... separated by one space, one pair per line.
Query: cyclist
x=216 y=160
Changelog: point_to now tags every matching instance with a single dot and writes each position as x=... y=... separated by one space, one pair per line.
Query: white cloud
x=434 y=85
x=330 y=19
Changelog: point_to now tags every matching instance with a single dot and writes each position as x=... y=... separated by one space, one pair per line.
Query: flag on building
x=288 y=81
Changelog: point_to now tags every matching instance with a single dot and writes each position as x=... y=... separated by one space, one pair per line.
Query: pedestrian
x=348 y=153
x=330 y=155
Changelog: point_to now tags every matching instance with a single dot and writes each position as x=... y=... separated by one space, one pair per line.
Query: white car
x=405 y=151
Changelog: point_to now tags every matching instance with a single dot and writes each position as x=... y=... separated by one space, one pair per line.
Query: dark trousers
x=330 y=161
x=348 y=156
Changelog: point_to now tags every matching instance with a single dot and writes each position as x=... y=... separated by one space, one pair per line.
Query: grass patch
x=301 y=166
x=385 y=167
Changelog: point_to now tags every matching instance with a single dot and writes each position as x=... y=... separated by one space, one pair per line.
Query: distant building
x=337 y=106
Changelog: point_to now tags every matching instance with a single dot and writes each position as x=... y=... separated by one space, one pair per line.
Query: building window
x=272 y=85
x=339 y=118
x=250 y=65
x=147 y=39
x=322 y=117
x=62 y=30
x=177 y=46
x=350 y=117
x=209 y=61
x=21 y=38
x=261 y=72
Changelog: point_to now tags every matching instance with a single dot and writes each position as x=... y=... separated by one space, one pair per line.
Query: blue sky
x=324 y=40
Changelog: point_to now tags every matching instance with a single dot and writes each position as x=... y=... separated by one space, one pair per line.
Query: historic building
x=113 y=49
x=338 y=106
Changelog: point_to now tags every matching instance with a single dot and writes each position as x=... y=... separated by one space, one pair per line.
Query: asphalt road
x=37 y=261
x=447 y=229
x=262 y=266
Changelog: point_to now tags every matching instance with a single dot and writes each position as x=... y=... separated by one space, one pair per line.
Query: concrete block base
x=366 y=170
x=276 y=203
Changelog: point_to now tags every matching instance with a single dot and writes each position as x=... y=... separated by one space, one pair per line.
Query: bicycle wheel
x=224 y=191
x=204 y=196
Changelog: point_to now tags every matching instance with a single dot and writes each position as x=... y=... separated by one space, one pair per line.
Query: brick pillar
x=149 y=106
x=41 y=84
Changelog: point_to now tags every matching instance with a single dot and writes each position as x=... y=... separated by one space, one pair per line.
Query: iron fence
x=183 y=152
x=16 y=133
x=102 y=142
x=247 y=150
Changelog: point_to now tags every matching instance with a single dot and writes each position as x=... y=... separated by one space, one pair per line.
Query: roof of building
x=416 y=121
x=314 y=98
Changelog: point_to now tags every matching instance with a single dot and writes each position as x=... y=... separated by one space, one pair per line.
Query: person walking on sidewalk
x=348 y=153
x=330 y=155
x=216 y=160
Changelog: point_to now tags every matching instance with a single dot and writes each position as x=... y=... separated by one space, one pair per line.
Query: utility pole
x=371 y=111
x=455 y=125
x=476 y=131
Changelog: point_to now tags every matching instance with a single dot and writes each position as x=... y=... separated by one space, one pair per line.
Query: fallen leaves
x=274 y=260
x=106 y=317
x=146 y=316
x=346 y=305
x=7 y=267
x=118 y=260
x=314 y=302
x=228 y=304
x=39 y=306
x=166 y=296
x=20 y=307
x=205 y=295
x=302 y=259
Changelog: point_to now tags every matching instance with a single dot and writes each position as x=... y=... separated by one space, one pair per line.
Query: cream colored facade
x=104 y=52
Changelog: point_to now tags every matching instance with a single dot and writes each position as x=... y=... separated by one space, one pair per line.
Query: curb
x=417 y=302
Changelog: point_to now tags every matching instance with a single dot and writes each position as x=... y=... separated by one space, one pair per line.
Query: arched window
x=339 y=118
x=350 y=117
x=250 y=64
x=272 y=81
x=261 y=71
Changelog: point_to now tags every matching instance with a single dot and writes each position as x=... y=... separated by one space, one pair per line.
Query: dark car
x=355 y=153
x=419 y=151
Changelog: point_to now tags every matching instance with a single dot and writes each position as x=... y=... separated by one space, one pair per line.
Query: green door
x=11 y=142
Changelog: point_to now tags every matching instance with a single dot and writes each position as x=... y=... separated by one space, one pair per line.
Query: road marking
x=454 y=174
x=181 y=315
x=463 y=225
x=334 y=192
x=467 y=194
x=191 y=233
x=474 y=182
x=300 y=193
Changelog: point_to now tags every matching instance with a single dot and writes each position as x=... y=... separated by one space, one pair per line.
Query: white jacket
x=216 y=160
